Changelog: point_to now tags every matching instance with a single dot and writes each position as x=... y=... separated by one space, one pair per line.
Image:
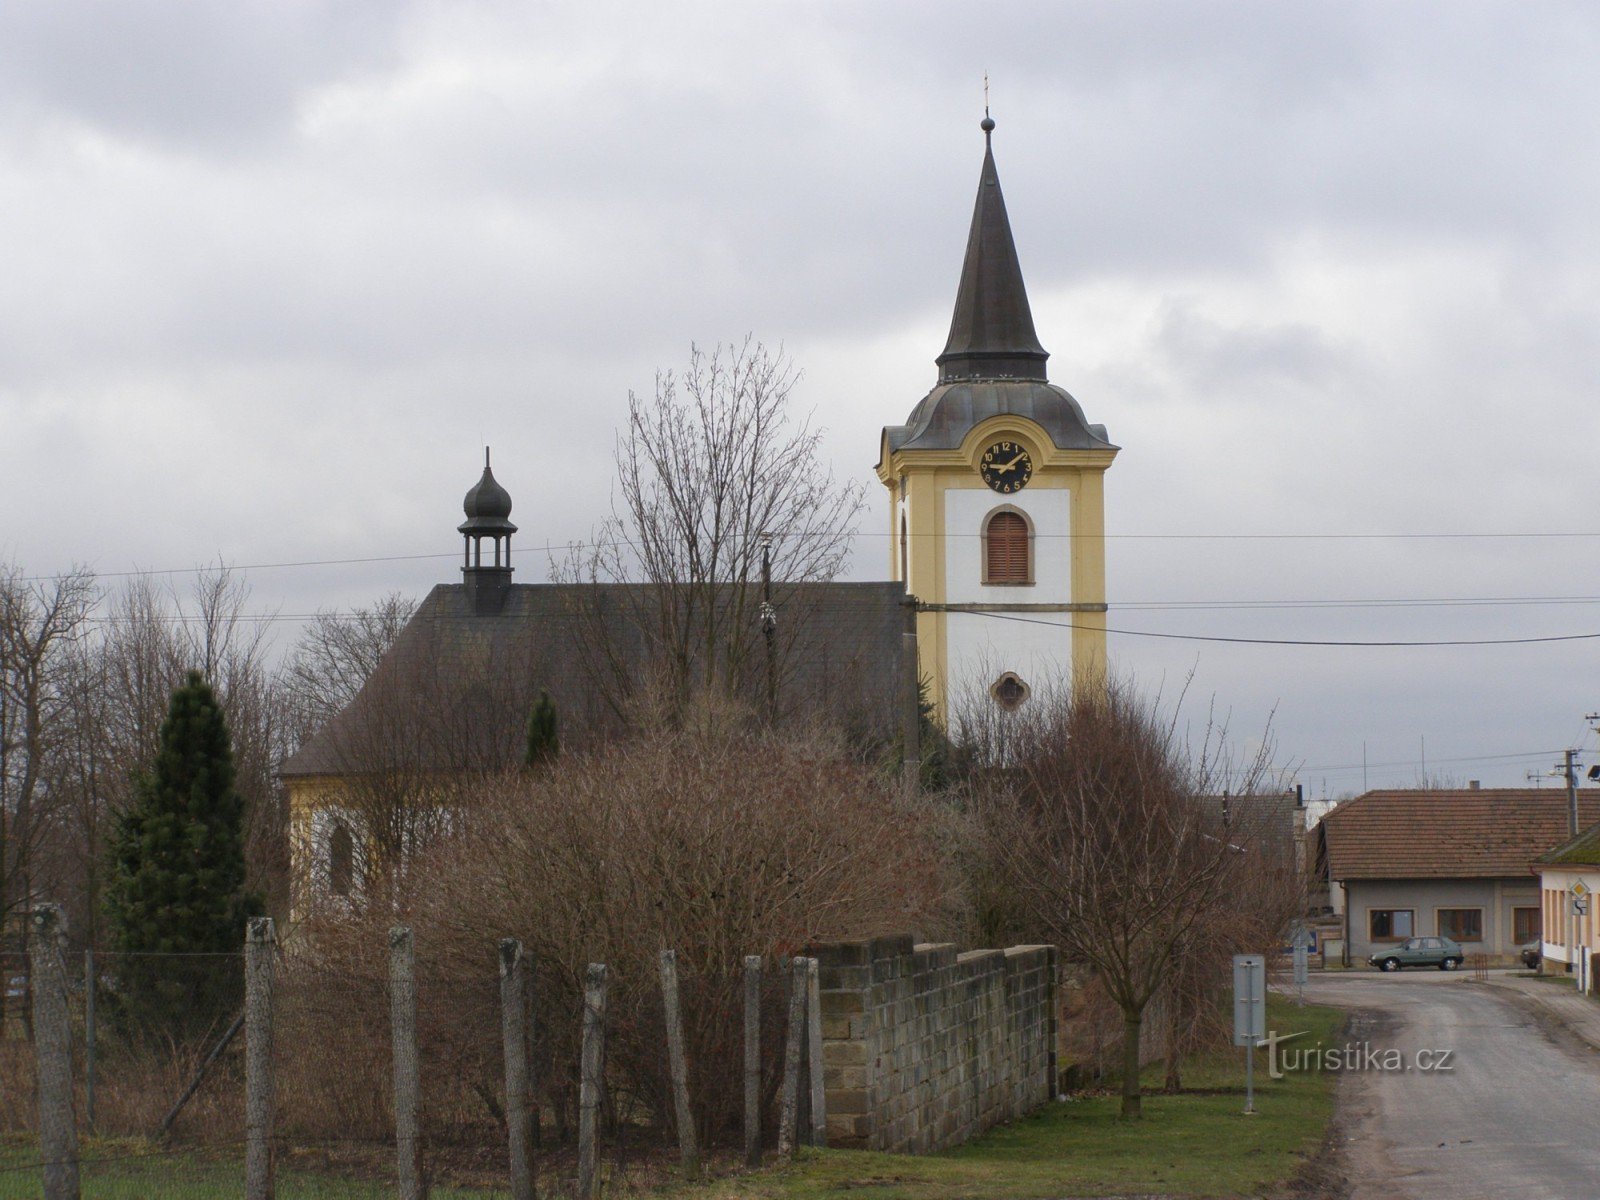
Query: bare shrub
x=1099 y=837
x=716 y=840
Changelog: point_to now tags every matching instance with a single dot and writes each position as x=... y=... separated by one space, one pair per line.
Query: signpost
x=1580 y=950
x=1249 y=1016
x=1302 y=961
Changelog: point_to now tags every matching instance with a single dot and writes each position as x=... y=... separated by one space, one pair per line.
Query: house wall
x=1496 y=897
x=924 y=1047
x=1566 y=934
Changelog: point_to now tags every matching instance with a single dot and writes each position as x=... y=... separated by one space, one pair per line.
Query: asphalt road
x=1518 y=1115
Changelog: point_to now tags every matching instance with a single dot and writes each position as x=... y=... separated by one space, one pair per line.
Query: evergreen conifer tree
x=178 y=875
x=543 y=741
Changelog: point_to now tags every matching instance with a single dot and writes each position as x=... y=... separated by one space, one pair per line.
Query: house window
x=1007 y=548
x=905 y=561
x=341 y=860
x=1009 y=692
x=1389 y=924
x=1461 y=924
x=1524 y=924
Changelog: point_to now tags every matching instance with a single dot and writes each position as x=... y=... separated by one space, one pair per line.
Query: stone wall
x=924 y=1047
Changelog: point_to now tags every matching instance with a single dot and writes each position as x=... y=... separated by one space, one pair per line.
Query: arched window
x=1007 y=548
x=341 y=860
x=1010 y=692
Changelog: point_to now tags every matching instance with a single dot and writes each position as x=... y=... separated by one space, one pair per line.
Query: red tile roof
x=1449 y=834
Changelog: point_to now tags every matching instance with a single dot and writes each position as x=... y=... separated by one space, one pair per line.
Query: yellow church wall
x=928 y=475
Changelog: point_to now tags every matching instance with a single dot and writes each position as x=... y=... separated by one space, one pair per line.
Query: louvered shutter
x=1007 y=549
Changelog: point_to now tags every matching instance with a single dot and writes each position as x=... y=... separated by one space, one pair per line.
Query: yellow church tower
x=996 y=495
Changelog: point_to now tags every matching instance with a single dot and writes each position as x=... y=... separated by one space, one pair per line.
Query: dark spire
x=991 y=333
x=488 y=509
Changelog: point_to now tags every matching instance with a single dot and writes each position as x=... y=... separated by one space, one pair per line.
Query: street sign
x=1249 y=999
x=1580 y=906
x=1579 y=890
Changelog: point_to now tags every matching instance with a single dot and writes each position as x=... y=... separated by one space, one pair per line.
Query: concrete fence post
x=591 y=1078
x=407 y=1072
x=514 y=1044
x=678 y=1060
x=52 y=1046
x=752 y=1060
x=259 y=943
x=789 y=1110
x=819 y=1101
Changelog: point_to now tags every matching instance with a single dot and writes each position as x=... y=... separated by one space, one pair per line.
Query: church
x=996 y=563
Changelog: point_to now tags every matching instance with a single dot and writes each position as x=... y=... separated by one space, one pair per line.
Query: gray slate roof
x=992 y=363
x=457 y=687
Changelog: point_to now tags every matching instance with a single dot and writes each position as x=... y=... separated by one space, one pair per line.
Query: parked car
x=1438 y=952
x=1531 y=954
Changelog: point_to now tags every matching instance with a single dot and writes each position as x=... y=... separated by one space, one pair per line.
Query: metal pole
x=1250 y=1077
x=910 y=715
x=1572 y=792
x=88 y=1036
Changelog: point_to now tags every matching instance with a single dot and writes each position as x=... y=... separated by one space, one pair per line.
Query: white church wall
x=981 y=647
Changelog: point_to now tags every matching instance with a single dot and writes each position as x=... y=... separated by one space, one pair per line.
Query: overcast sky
x=271 y=274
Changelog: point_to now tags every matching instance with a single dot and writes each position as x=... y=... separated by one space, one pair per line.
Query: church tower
x=996 y=495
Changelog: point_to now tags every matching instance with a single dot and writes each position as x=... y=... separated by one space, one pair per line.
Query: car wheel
x=1389 y=964
x=1450 y=964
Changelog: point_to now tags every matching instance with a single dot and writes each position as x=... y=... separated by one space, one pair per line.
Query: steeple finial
x=987 y=124
x=991 y=331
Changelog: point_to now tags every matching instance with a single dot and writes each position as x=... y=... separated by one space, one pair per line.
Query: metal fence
x=282 y=1071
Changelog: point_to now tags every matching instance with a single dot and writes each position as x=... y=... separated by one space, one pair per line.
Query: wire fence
x=159 y=1085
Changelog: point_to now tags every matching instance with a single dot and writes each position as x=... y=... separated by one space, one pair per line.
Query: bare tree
x=40 y=621
x=711 y=467
x=1097 y=812
x=336 y=654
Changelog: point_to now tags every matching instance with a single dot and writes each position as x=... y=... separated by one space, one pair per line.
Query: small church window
x=341 y=860
x=905 y=561
x=1009 y=691
x=1007 y=548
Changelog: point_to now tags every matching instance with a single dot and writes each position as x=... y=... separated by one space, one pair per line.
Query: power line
x=1411 y=762
x=876 y=534
x=1249 y=641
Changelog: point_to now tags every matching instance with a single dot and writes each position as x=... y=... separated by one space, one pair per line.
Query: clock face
x=1006 y=467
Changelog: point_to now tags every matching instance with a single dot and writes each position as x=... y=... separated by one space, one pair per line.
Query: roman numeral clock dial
x=1006 y=467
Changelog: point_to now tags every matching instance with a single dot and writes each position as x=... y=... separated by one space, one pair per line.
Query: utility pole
x=769 y=628
x=1569 y=768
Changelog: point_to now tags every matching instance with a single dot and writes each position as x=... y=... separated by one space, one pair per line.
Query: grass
x=139 y=1170
x=1197 y=1143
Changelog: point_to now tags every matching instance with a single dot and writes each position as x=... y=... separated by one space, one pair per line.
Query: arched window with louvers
x=1007 y=547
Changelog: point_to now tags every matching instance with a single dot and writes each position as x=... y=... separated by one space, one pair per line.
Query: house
x=1449 y=862
x=1569 y=876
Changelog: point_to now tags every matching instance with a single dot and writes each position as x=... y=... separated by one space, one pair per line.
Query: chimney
x=1473 y=785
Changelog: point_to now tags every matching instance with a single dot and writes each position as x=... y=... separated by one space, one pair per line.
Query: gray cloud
x=274 y=272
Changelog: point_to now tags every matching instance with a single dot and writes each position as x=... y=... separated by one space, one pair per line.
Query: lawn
x=126 y=1170
x=1196 y=1144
